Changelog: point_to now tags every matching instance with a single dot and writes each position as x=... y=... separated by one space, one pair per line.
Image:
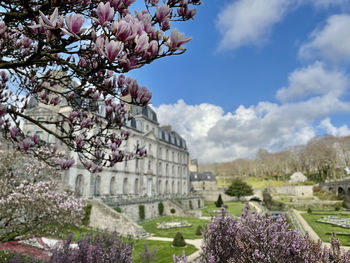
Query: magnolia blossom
x=74 y=24
x=49 y=59
x=113 y=49
x=163 y=12
x=54 y=22
x=105 y=13
x=176 y=40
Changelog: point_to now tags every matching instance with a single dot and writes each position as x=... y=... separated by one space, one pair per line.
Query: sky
x=257 y=74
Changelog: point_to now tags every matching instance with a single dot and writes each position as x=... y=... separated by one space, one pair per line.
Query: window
x=149 y=165
x=41 y=119
x=40 y=133
x=167 y=155
x=147 y=127
x=173 y=156
x=167 y=169
x=137 y=163
x=149 y=148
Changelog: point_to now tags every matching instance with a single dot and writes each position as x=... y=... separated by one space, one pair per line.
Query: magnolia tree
x=29 y=200
x=261 y=239
x=77 y=52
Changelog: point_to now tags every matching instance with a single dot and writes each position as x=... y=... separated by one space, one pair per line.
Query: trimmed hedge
x=86 y=219
x=142 y=212
x=160 y=208
x=179 y=240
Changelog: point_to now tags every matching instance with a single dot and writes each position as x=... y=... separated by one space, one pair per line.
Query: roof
x=206 y=176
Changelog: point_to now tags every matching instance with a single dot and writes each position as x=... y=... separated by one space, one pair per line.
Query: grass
x=164 y=250
x=187 y=232
x=234 y=208
x=323 y=229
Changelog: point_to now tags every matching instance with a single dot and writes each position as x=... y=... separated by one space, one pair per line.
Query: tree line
x=322 y=158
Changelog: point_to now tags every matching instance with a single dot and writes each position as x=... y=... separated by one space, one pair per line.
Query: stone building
x=163 y=172
x=203 y=182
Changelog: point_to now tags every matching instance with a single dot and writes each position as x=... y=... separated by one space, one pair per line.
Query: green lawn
x=322 y=228
x=164 y=250
x=187 y=232
x=234 y=208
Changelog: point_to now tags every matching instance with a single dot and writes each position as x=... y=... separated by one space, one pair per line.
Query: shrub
x=309 y=210
x=87 y=213
x=118 y=209
x=219 y=202
x=337 y=207
x=250 y=240
x=142 y=212
x=179 y=240
x=199 y=230
x=190 y=203
x=160 y=208
x=107 y=248
x=172 y=210
x=316 y=188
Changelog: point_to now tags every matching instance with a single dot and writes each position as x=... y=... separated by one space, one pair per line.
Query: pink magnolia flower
x=54 y=22
x=2 y=27
x=123 y=30
x=36 y=138
x=67 y=164
x=99 y=45
x=25 y=144
x=14 y=132
x=163 y=12
x=153 y=48
x=79 y=140
x=2 y=110
x=141 y=43
x=144 y=96
x=74 y=24
x=105 y=13
x=176 y=40
x=113 y=49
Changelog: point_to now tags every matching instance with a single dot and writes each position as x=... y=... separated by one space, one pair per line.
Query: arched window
x=112 y=186
x=125 y=186
x=173 y=187
x=79 y=184
x=136 y=186
x=166 y=187
x=97 y=186
x=178 y=187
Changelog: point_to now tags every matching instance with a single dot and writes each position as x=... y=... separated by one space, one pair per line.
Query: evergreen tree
x=219 y=202
x=239 y=188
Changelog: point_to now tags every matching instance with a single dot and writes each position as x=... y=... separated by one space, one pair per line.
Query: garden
x=325 y=230
x=233 y=208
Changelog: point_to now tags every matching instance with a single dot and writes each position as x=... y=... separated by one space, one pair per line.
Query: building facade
x=164 y=171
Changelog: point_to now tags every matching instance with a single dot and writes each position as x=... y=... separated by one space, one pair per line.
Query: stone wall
x=103 y=217
x=181 y=205
x=214 y=194
x=297 y=190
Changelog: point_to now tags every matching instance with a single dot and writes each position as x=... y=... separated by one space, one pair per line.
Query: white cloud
x=331 y=42
x=246 y=22
x=213 y=135
x=332 y=130
x=313 y=80
x=250 y=22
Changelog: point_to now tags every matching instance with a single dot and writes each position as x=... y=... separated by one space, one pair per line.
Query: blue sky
x=257 y=74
